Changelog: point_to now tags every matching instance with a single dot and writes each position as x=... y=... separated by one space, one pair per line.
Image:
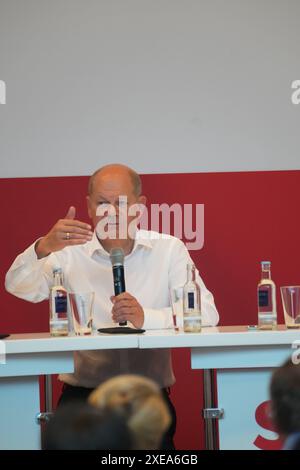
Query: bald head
x=117 y=170
x=115 y=205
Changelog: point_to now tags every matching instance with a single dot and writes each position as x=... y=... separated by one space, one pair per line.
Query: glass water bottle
x=59 y=324
x=266 y=299
x=191 y=302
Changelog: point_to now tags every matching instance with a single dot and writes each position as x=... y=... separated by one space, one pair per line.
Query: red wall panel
x=248 y=217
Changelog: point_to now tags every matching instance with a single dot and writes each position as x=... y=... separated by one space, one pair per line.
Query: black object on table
x=121 y=330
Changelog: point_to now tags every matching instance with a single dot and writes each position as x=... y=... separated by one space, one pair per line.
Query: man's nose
x=117 y=209
x=121 y=208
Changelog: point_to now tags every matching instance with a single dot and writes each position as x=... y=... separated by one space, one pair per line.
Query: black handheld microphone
x=117 y=261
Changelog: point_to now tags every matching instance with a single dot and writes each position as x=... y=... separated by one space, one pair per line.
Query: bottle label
x=191 y=300
x=60 y=303
x=263 y=298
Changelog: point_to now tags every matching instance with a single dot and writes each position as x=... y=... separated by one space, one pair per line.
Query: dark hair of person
x=285 y=398
x=296 y=446
x=79 y=426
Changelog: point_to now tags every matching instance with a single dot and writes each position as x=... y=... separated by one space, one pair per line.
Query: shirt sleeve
x=30 y=278
x=179 y=257
x=158 y=319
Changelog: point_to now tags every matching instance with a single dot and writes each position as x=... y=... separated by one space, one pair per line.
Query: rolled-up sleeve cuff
x=29 y=260
x=158 y=319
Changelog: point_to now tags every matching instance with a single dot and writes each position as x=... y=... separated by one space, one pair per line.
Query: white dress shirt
x=154 y=265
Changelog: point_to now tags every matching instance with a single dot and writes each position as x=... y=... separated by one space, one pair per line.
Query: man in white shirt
x=152 y=266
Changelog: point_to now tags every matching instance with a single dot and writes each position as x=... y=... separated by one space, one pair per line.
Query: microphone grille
x=116 y=256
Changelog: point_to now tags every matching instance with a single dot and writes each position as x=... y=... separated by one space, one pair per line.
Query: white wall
x=162 y=85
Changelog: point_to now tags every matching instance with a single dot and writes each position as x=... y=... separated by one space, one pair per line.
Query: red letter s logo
x=263 y=420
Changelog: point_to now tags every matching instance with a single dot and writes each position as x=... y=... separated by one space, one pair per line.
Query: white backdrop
x=162 y=85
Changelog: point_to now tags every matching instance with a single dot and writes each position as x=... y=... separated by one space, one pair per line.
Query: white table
x=27 y=357
x=243 y=360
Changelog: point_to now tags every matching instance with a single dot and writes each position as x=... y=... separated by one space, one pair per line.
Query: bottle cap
x=57 y=269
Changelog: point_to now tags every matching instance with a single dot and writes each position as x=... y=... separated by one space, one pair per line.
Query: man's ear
x=89 y=206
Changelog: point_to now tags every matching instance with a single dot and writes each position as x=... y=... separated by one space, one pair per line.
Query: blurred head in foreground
x=285 y=399
x=140 y=402
x=79 y=426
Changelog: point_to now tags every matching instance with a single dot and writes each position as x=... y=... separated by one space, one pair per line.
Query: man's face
x=107 y=205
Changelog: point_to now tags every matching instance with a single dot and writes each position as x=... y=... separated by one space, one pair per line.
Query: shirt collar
x=142 y=238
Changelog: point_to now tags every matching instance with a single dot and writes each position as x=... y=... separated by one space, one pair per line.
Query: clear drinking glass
x=81 y=305
x=290 y=296
x=176 y=300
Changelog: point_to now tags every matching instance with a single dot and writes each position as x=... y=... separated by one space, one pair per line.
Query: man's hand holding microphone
x=127 y=308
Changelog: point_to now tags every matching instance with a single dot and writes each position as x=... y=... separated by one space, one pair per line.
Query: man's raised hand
x=66 y=232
